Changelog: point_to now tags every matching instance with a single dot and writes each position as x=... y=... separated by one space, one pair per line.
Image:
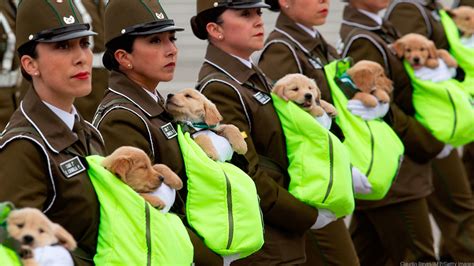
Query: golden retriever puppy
x=370 y=79
x=133 y=167
x=305 y=93
x=421 y=52
x=34 y=230
x=463 y=16
x=191 y=106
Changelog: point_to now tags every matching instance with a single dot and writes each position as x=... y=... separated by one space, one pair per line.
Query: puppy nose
x=308 y=96
x=28 y=239
x=170 y=96
x=416 y=59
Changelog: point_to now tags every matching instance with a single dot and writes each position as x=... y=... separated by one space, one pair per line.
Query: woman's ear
x=30 y=65
x=123 y=58
x=214 y=31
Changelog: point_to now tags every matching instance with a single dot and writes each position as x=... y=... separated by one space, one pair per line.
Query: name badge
x=169 y=131
x=262 y=98
x=72 y=167
x=316 y=63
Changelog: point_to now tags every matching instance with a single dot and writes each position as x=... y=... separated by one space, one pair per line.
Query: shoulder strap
x=213 y=75
x=100 y=111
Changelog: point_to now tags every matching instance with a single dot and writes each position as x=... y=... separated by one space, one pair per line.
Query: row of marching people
x=260 y=163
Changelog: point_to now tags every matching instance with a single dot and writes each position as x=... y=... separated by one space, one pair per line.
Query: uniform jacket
x=9 y=65
x=418 y=16
x=137 y=120
x=92 y=12
x=235 y=89
x=31 y=175
x=363 y=38
x=457 y=3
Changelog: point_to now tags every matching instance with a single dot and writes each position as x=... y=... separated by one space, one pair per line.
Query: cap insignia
x=216 y=4
x=160 y=15
x=69 y=20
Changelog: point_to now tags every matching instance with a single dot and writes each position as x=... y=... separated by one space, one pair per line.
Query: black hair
x=29 y=49
x=274 y=5
x=200 y=21
x=124 y=42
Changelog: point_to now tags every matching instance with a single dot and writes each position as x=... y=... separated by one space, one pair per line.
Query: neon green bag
x=131 y=232
x=8 y=257
x=319 y=165
x=443 y=108
x=222 y=204
x=374 y=147
x=463 y=54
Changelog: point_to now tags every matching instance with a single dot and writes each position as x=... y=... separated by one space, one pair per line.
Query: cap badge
x=160 y=15
x=59 y=1
x=69 y=20
x=216 y=4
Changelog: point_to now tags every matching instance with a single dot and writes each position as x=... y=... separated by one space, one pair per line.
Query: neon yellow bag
x=8 y=257
x=319 y=165
x=222 y=204
x=464 y=55
x=374 y=147
x=444 y=108
x=131 y=231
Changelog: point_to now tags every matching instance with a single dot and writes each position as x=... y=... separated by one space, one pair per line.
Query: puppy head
x=191 y=105
x=133 y=166
x=463 y=16
x=33 y=229
x=416 y=49
x=300 y=89
x=369 y=75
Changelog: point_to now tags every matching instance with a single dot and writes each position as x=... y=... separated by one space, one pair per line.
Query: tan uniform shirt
x=364 y=39
x=31 y=174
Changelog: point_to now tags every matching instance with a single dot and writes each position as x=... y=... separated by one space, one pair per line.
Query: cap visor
x=68 y=36
x=157 y=30
x=254 y=5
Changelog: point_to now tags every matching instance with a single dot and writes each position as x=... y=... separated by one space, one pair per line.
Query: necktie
x=78 y=128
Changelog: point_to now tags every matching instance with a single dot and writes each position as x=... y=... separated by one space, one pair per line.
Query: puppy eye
x=409 y=50
x=295 y=89
x=41 y=230
x=188 y=96
x=20 y=225
x=422 y=49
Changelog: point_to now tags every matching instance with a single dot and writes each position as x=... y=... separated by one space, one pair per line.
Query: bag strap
x=100 y=111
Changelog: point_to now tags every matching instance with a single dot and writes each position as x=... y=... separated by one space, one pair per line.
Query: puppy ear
x=119 y=165
x=450 y=12
x=211 y=114
x=432 y=50
x=362 y=78
x=279 y=90
x=399 y=47
x=64 y=237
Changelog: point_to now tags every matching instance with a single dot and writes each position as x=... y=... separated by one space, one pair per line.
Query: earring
x=221 y=37
x=36 y=74
x=129 y=66
x=287 y=6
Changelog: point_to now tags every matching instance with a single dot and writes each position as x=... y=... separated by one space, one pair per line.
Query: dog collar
x=346 y=79
x=198 y=126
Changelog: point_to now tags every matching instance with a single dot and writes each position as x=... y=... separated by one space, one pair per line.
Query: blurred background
x=192 y=50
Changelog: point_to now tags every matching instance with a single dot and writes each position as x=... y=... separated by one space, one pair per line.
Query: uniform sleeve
x=277 y=60
x=276 y=202
x=123 y=128
x=420 y=145
x=407 y=18
x=24 y=175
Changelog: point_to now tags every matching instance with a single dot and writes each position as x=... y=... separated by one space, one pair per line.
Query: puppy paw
x=328 y=108
x=168 y=176
x=154 y=200
x=367 y=99
x=240 y=147
x=235 y=138
x=382 y=96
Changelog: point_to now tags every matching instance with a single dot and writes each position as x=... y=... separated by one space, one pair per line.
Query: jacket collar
x=299 y=36
x=57 y=137
x=228 y=64
x=123 y=86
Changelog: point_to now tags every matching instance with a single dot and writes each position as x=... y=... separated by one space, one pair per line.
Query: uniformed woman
x=452 y=203
x=295 y=39
x=42 y=150
x=234 y=30
x=378 y=230
x=140 y=53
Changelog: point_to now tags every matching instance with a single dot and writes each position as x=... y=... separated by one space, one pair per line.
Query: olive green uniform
x=373 y=227
x=331 y=244
x=31 y=174
x=451 y=204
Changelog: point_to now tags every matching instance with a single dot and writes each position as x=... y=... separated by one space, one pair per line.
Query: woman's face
x=242 y=31
x=307 y=12
x=153 y=59
x=373 y=6
x=62 y=71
